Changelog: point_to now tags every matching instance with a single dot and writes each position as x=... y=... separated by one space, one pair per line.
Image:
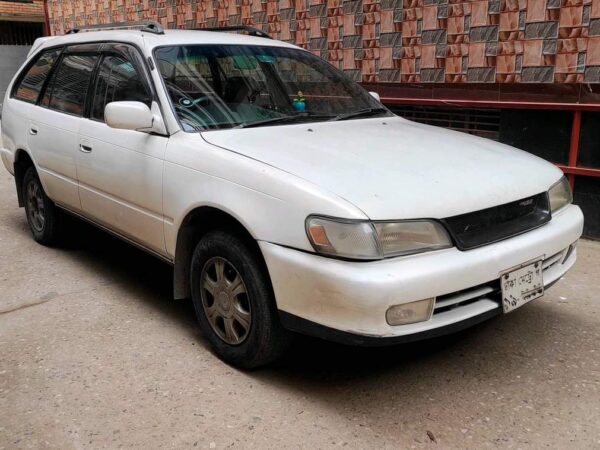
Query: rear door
x=121 y=171
x=53 y=125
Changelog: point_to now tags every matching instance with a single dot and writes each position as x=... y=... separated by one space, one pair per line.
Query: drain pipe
x=47 y=31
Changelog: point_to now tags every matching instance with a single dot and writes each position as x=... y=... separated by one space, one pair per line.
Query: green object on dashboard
x=243 y=62
x=266 y=58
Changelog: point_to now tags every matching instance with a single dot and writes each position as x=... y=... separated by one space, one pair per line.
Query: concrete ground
x=94 y=353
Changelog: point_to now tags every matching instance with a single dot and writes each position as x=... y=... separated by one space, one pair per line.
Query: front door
x=121 y=171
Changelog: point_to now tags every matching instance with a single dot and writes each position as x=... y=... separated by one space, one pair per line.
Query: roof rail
x=148 y=26
x=247 y=28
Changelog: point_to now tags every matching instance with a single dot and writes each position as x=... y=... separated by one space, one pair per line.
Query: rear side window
x=31 y=84
x=69 y=84
x=118 y=80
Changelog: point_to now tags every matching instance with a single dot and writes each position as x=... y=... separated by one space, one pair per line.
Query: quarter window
x=118 y=80
x=31 y=84
x=68 y=86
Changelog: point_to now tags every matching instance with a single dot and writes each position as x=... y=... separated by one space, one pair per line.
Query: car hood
x=392 y=168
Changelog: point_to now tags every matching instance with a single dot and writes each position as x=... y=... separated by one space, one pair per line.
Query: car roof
x=148 y=41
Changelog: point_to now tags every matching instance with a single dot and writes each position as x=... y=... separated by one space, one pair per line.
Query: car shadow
x=150 y=279
x=490 y=370
x=143 y=275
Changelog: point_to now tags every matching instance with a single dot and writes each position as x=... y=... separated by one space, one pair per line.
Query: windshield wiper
x=360 y=113
x=282 y=119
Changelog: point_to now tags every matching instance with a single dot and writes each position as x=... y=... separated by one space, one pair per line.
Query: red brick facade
x=22 y=11
x=408 y=41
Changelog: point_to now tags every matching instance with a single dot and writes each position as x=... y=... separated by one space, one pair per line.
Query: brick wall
x=410 y=41
x=12 y=10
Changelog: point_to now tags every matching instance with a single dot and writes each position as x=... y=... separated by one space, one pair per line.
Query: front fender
x=270 y=203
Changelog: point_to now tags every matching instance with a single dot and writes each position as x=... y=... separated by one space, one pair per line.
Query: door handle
x=33 y=130
x=85 y=148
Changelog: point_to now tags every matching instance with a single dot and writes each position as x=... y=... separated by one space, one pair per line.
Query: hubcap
x=35 y=206
x=225 y=300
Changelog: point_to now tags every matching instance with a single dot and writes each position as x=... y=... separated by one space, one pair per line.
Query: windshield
x=226 y=86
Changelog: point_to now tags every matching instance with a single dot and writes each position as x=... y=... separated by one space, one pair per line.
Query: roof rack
x=247 y=28
x=148 y=26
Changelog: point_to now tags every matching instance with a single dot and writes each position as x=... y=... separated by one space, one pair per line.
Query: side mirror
x=129 y=116
x=375 y=95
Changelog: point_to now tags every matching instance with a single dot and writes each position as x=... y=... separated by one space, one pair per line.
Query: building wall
x=22 y=10
x=20 y=23
x=409 y=41
x=11 y=58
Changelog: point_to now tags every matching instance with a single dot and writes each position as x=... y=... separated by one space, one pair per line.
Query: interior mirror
x=375 y=95
x=129 y=116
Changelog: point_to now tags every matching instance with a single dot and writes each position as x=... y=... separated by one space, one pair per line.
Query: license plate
x=521 y=285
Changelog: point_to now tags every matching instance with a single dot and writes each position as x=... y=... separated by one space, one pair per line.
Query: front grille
x=447 y=302
x=489 y=225
x=487 y=291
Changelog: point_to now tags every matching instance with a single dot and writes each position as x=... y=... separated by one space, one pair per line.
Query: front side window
x=118 y=80
x=225 y=86
x=31 y=84
x=68 y=87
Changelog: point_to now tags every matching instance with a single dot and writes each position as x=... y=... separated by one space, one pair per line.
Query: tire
x=42 y=215
x=234 y=302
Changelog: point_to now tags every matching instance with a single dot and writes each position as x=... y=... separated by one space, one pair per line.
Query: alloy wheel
x=225 y=300
x=35 y=206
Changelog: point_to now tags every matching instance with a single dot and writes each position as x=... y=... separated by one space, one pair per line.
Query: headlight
x=560 y=194
x=404 y=238
x=374 y=240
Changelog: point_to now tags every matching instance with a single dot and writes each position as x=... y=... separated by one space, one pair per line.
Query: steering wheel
x=254 y=93
x=184 y=100
x=188 y=102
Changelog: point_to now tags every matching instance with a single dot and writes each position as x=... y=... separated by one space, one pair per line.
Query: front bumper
x=335 y=299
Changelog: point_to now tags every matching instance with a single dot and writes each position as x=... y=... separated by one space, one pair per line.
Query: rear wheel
x=234 y=302
x=42 y=214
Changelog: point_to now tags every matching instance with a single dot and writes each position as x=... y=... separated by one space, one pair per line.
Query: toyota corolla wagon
x=286 y=197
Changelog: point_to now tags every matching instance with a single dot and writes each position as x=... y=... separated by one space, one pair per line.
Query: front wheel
x=42 y=215
x=234 y=302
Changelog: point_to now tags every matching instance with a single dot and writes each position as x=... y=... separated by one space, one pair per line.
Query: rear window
x=69 y=85
x=31 y=83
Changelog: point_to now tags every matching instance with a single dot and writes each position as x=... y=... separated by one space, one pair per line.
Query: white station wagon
x=286 y=197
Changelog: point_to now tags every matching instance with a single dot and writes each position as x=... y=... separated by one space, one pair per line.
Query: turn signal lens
x=413 y=312
x=319 y=236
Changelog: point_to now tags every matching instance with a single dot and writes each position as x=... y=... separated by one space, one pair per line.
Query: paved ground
x=94 y=353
